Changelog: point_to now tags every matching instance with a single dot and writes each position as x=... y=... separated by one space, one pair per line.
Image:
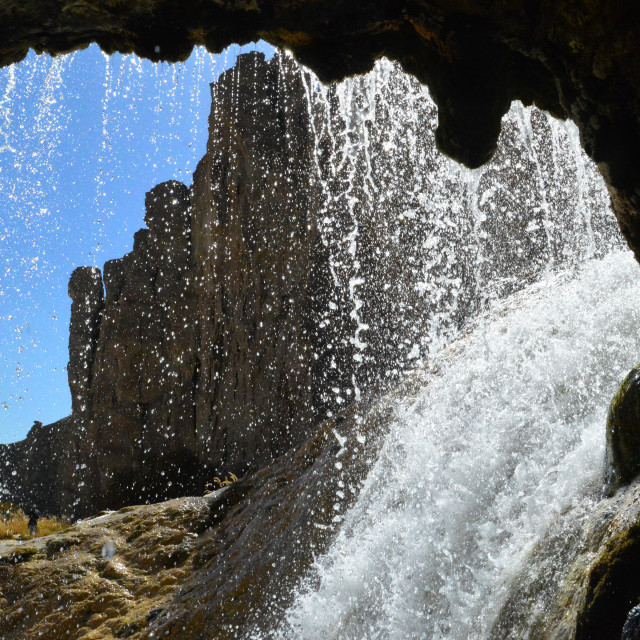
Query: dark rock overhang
x=579 y=60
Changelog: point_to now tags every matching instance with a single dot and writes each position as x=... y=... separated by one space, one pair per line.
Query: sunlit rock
x=87 y=296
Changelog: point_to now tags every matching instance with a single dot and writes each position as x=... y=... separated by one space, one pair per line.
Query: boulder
x=623 y=433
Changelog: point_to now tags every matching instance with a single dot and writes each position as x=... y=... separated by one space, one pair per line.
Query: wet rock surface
x=602 y=586
x=623 y=433
x=580 y=582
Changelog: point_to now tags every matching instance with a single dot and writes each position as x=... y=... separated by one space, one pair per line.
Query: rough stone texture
x=623 y=433
x=200 y=567
x=631 y=628
x=37 y=470
x=580 y=581
x=575 y=59
x=139 y=426
x=209 y=353
x=263 y=271
x=602 y=586
x=87 y=301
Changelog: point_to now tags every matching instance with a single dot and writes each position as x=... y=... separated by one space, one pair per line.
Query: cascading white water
x=504 y=444
x=421 y=243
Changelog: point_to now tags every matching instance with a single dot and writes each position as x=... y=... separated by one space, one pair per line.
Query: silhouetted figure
x=33 y=514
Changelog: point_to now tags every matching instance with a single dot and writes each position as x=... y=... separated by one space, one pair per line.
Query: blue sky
x=82 y=138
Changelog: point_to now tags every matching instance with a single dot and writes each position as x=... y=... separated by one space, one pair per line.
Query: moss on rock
x=613 y=588
x=623 y=433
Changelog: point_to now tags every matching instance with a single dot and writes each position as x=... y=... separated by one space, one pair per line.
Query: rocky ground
x=105 y=577
x=214 y=566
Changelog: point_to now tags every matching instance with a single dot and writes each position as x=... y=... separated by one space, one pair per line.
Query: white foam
x=507 y=439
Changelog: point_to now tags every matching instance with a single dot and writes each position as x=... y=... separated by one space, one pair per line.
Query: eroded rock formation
x=303 y=269
x=87 y=302
x=208 y=354
x=577 y=60
x=264 y=281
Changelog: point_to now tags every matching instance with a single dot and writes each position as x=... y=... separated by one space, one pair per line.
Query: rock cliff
x=206 y=352
x=303 y=269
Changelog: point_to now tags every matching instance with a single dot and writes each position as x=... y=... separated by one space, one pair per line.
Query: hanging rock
x=623 y=433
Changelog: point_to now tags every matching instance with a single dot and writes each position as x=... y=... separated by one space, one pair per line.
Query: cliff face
x=263 y=271
x=208 y=354
x=138 y=424
x=303 y=269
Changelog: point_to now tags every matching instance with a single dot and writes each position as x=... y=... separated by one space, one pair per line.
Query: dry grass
x=15 y=526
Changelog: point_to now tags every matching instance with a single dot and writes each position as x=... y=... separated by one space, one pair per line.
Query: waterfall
x=503 y=292
x=503 y=447
x=421 y=244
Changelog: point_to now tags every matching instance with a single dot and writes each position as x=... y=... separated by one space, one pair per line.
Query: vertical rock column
x=263 y=271
x=87 y=303
x=140 y=430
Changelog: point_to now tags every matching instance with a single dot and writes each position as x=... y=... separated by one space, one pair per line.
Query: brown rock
x=263 y=270
x=217 y=565
x=207 y=355
x=229 y=331
x=87 y=296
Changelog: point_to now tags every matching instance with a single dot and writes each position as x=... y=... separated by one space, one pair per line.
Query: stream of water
x=503 y=447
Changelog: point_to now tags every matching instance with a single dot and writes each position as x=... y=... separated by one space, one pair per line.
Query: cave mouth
x=386 y=251
x=475 y=59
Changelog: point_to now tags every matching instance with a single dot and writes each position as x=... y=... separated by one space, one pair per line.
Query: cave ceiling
x=578 y=59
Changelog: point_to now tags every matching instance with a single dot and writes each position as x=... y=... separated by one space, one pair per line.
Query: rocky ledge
x=214 y=566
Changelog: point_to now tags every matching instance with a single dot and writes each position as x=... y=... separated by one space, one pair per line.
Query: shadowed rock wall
x=264 y=279
x=207 y=353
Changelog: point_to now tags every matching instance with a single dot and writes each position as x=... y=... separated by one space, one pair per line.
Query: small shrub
x=229 y=479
